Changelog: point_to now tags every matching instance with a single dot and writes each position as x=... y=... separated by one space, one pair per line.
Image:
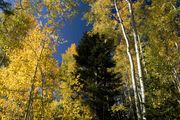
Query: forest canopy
x=126 y=67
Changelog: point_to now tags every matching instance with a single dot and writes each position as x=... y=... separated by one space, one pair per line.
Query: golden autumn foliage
x=17 y=77
x=133 y=76
x=72 y=104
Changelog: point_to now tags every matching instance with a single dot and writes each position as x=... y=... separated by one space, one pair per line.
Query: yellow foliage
x=16 y=79
x=119 y=107
x=72 y=104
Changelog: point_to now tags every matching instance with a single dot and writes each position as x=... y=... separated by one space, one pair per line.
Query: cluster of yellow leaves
x=100 y=15
x=14 y=28
x=120 y=107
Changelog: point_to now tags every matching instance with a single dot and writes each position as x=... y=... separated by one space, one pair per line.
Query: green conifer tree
x=100 y=84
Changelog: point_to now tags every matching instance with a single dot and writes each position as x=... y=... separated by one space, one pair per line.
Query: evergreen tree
x=100 y=84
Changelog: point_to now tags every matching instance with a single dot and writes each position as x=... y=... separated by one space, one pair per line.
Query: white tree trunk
x=175 y=71
x=142 y=56
x=133 y=78
x=138 y=59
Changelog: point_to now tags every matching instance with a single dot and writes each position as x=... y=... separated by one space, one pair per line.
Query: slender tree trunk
x=176 y=71
x=30 y=101
x=138 y=59
x=31 y=95
x=2 y=59
x=176 y=79
x=133 y=78
x=131 y=114
x=42 y=93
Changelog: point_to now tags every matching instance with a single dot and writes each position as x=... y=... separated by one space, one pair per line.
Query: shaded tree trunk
x=142 y=57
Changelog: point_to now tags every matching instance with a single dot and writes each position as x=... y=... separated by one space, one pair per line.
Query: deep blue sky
x=73 y=31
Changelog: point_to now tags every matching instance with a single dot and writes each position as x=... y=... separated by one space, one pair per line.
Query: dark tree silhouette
x=95 y=61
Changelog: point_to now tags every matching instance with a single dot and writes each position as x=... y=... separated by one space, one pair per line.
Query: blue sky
x=73 y=31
